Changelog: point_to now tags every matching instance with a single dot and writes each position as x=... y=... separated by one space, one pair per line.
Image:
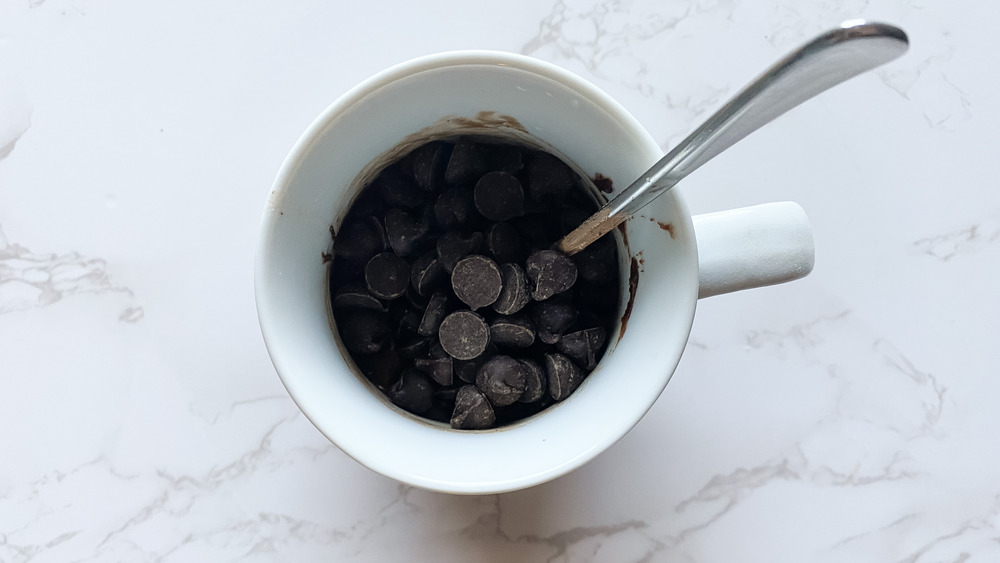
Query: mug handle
x=752 y=247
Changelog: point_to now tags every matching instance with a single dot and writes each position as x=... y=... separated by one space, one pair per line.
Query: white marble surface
x=851 y=416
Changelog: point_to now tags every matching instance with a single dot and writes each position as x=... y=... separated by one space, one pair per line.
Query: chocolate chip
x=535 y=231
x=364 y=331
x=366 y=204
x=466 y=370
x=439 y=369
x=377 y=227
x=453 y=246
x=550 y=272
x=446 y=395
x=427 y=164
x=387 y=275
x=454 y=208
x=515 y=293
x=413 y=392
x=404 y=232
x=548 y=177
x=597 y=262
x=476 y=281
x=443 y=406
x=409 y=320
x=381 y=368
x=426 y=273
x=359 y=239
x=583 y=346
x=564 y=376
x=472 y=410
x=344 y=271
x=397 y=189
x=437 y=309
x=535 y=382
x=512 y=332
x=552 y=319
x=499 y=196
x=413 y=347
x=600 y=299
x=520 y=411
x=503 y=243
x=464 y=335
x=415 y=299
x=504 y=157
x=356 y=296
x=466 y=163
x=501 y=379
x=436 y=351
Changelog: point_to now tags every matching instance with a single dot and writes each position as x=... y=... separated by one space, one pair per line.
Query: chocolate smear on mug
x=604 y=183
x=633 y=284
x=669 y=227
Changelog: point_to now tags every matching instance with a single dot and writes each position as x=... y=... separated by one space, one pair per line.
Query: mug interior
x=313 y=191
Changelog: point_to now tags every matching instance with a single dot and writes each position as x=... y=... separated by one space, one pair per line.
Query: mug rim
x=301 y=150
x=435 y=61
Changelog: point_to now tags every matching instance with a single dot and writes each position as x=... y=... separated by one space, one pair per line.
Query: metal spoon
x=824 y=62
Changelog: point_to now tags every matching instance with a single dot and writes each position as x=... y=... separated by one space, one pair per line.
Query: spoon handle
x=824 y=62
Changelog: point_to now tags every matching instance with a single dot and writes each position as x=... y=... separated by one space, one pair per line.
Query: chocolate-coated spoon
x=824 y=62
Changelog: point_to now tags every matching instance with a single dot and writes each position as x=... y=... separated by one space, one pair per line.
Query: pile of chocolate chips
x=448 y=296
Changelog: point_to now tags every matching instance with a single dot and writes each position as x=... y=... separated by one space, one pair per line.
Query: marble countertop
x=849 y=416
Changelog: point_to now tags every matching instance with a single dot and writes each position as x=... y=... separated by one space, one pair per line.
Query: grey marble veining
x=850 y=416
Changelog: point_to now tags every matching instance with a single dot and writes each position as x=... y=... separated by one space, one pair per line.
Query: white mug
x=663 y=270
